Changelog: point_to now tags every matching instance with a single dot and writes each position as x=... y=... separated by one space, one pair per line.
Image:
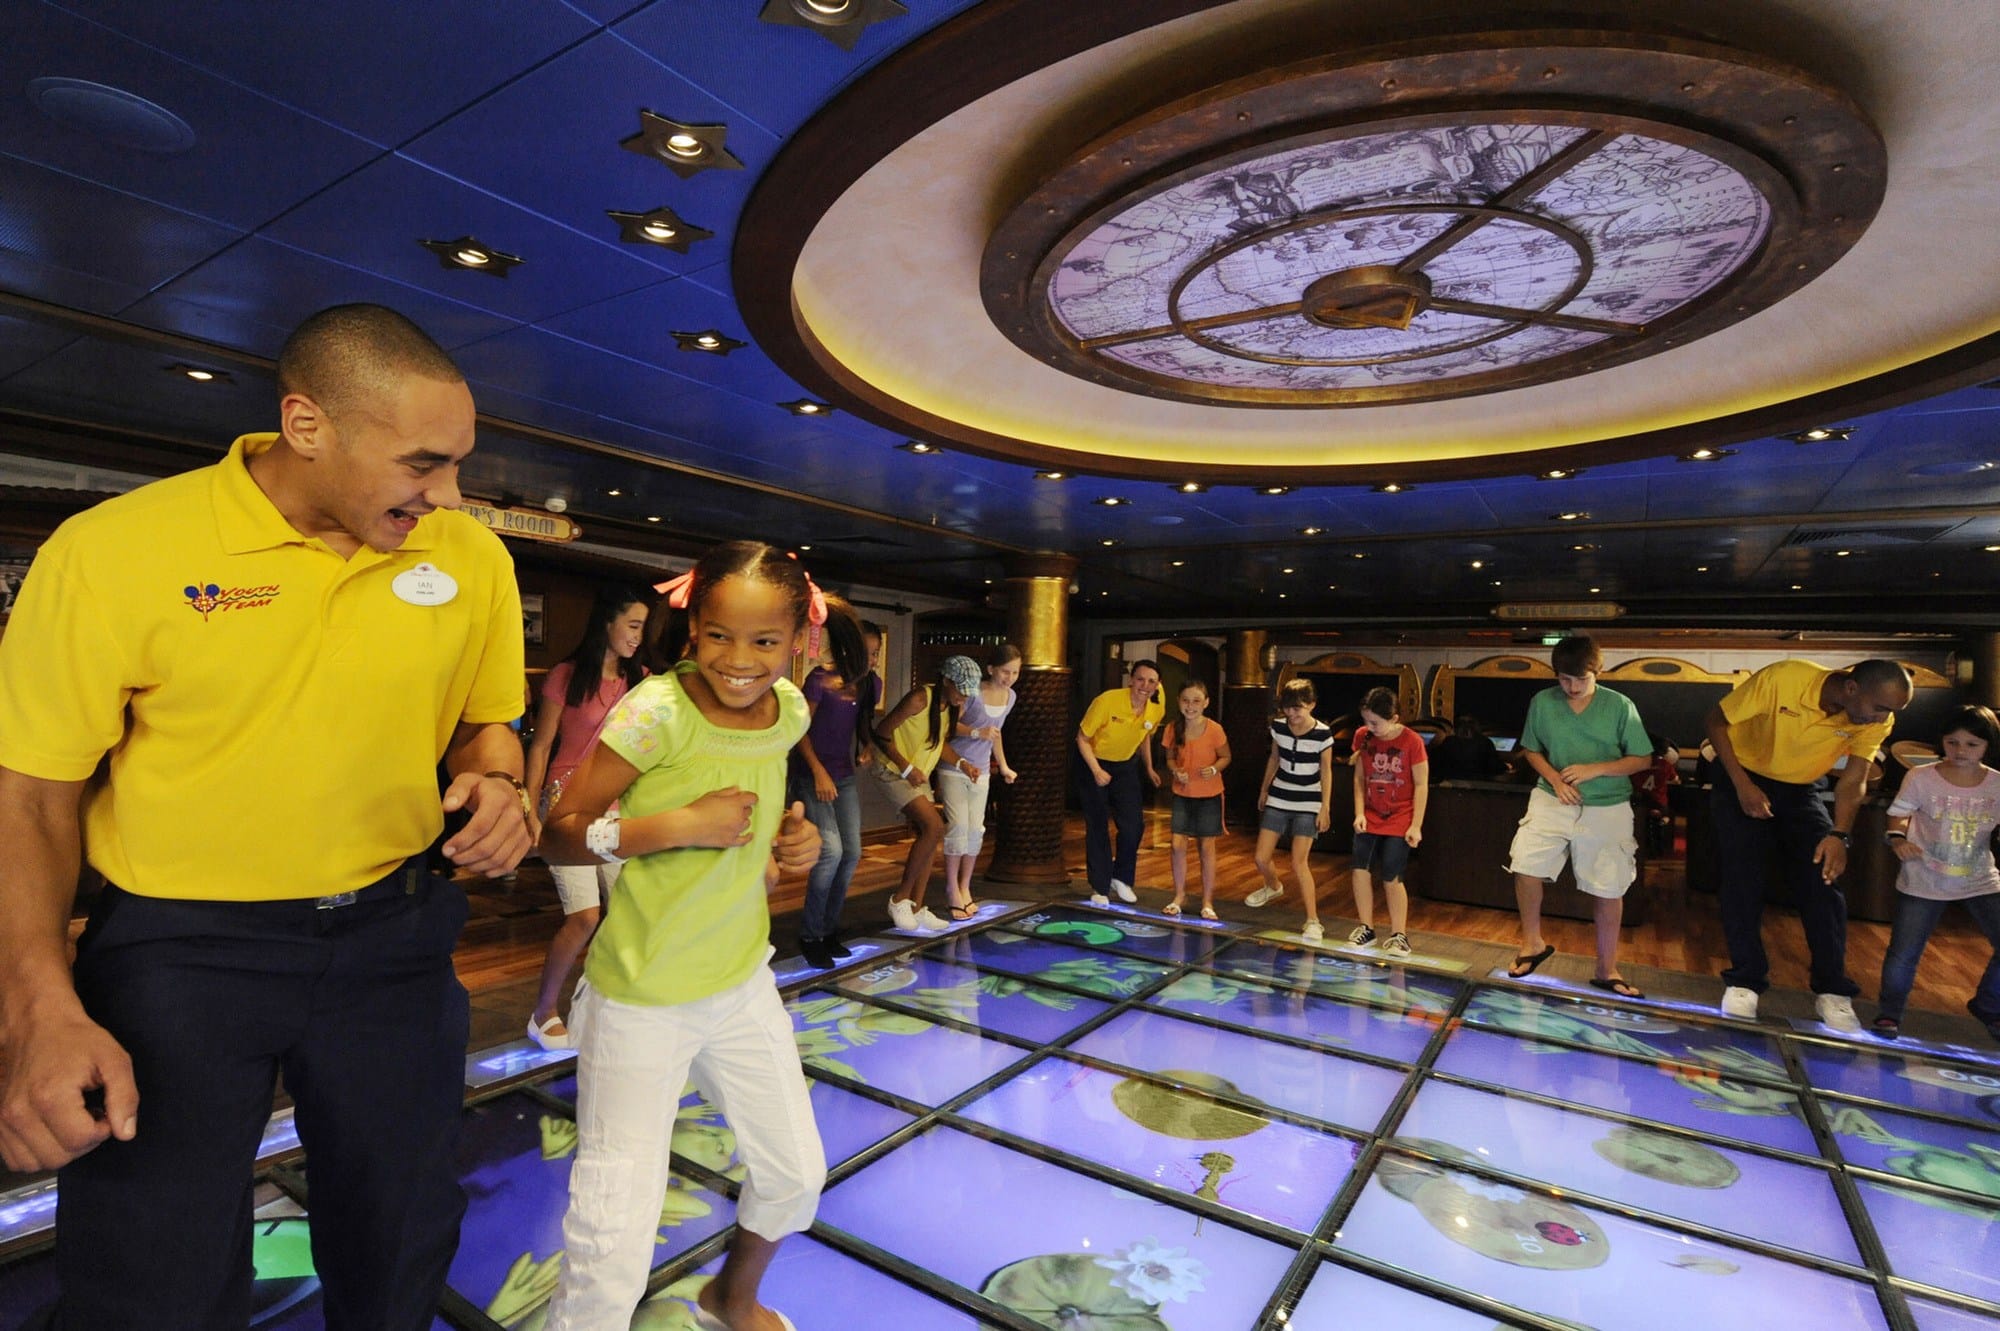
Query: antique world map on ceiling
x=1406 y=257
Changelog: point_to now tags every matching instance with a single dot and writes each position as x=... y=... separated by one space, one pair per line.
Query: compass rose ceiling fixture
x=1270 y=246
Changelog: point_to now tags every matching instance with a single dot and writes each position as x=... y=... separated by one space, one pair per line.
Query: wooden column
x=1028 y=818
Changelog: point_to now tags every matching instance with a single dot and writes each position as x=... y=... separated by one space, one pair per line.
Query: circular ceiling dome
x=112 y=114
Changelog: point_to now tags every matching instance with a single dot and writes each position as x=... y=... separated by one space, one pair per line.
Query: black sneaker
x=837 y=949
x=815 y=951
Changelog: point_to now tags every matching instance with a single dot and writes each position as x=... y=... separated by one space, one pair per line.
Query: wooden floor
x=1680 y=948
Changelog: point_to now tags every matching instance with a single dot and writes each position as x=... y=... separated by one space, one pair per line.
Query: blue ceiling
x=330 y=139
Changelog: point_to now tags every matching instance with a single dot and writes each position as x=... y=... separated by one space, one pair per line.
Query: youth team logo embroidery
x=210 y=598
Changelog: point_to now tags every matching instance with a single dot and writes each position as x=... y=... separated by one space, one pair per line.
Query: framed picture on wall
x=532 y=623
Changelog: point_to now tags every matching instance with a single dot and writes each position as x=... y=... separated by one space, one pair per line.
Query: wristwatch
x=520 y=793
x=1844 y=838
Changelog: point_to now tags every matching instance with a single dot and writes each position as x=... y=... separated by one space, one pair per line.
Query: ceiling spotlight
x=715 y=343
x=1191 y=487
x=1312 y=531
x=1708 y=455
x=1701 y=568
x=1111 y=501
x=1842 y=554
x=918 y=446
x=1558 y=473
x=1179 y=562
x=200 y=374
x=614 y=493
x=1274 y=489
x=1285 y=570
x=1478 y=563
x=1821 y=434
x=1798 y=586
x=1572 y=516
x=839 y=21
x=465 y=252
x=1051 y=475
x=803 y=546
x=1595 y=590
x=1360 y=554
x=661 y=226
x=1391 y=488
x=805 y=406
x=651 y=518
x=1107 y=541
x=1583 y=547
x=685 y=149
x=1992 y=549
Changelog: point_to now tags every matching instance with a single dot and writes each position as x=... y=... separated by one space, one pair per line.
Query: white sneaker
x=1741 y=1003
x=902 y=914
x=929 y=923
x=1099 y=899
x=1263 y=896
x=1398 y=945
x=1124 y=890
x=1837 y=1011
x=1313 y=931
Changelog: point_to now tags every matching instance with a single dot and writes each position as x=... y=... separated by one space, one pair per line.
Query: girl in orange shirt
x=1197 y=753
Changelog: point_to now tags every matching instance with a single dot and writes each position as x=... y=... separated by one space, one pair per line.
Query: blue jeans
x=1915 y=918
x=839 y=824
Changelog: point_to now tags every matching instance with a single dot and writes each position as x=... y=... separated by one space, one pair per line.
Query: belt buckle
x=336 y=901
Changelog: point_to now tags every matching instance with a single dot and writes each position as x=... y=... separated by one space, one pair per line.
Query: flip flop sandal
x=1171 y=908
x=1524 y=966
x=1208 y=913
x=1618 y=985
x=965 y=912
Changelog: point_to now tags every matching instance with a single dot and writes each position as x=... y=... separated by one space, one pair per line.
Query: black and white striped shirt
x=1295 y=788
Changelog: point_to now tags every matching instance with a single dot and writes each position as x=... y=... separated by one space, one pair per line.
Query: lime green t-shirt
x=683 y=924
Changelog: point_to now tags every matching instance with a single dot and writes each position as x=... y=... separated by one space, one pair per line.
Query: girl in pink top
x=577 y=695
x=1391 y=786
x=1197 y=753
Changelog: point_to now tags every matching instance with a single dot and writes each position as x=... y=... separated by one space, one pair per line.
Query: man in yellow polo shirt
x=1775 y=736
x=231 y=690
x=1114 y=743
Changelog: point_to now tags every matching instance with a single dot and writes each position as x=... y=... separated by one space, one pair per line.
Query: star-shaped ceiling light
x=661 y=226
x=468 y=253
x=686 y=149
x=839 y=21
x=708 y=339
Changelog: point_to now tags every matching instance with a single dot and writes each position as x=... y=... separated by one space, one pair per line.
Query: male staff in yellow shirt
x=271 y=656
x=1775 y=736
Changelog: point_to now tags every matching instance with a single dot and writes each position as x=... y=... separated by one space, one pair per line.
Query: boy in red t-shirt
x=1391 y=787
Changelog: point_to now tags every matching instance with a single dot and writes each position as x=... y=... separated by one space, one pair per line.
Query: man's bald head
x=345 y=357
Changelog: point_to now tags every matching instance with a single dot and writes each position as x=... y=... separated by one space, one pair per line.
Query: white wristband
x=601 y=838
x=907 y=769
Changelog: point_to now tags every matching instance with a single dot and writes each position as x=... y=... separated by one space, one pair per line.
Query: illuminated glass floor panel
x=1377 y=983
x=1388 y=1032
x=896 y=1051
x=1106 y=974
x=1647 y=1034
x=1120 y=933
x=1001 y=1003
x=1900 y=1079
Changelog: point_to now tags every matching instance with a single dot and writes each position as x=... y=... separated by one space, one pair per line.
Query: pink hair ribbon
x=677 y=590
x=815 y=610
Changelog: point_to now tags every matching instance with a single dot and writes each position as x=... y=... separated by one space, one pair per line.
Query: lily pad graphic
x=1178 y=1113
x=1084 y=931
x=1511 y=1224
x=1069 y=1292
x=1402 y=1176
x=1655 y=1155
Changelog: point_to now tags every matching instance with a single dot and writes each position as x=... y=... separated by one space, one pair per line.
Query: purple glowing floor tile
x=994 y=1002
x=1339 y=1299
x=1738 y=1192
x=1385 y=1032
x=818 y=1286
x=514 y=1159
x=1245 y=1161
x=562 y=1088
x=1933 y=1316
x=848 y=1124
x=1031 y=1234
x=896 y=1051
x=1303 y=1081
x=1396 y=987
x=1583 y=1266
x=1949 y=1154
x=1627 y=1030
x=1106 y=974
x=1711 y=1101
x=1968 y=1092
x=1950 y=1242
x=1120 y=933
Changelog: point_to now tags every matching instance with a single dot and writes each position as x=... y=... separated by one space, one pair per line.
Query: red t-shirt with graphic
x=1389 y=778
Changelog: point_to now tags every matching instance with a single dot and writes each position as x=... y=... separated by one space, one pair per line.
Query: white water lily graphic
x=1154 y=1273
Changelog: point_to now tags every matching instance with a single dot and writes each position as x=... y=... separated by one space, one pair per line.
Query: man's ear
x=304 y=426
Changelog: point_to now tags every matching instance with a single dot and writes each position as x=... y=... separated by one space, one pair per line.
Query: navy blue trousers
x=1798 y=822
x=1122 y=802
x=359 y=1008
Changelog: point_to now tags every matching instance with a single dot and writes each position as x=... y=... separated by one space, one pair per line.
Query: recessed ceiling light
x=1287 y=570
x=1191 y=487
x=839 y=21
x=1478 y=563
x=470 y=254
x=1842 y=554
x=1274 y=489
x=1559 y=473
x=1798 y=587
x=614 y=493
x=1991 y=548
x=1964 y=467
x=1111 y=501
x=683 y=148
x=651 y=518
x=1573 y=516
x=805 y=406
x=1179 y=562
x=1701 y=568
x=1333 y=586
x=1281 y=596
x=1496 y=582
x=1051 y=475
x=918 y=446
x=1708 y=455
x=1820 y=434
x=803 y=547
x=1596 y=589
x=711 y=340
x=1107 y=541
x=989 y=581
x=1360 y=554
x=1583 y=547
x=1392 y=488
x=661 y=226
x=201 y=374
x=1311 y=531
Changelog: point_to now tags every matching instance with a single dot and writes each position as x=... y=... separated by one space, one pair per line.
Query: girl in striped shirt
x=1297 y=799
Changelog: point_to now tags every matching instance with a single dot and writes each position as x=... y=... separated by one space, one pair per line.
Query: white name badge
x=426 y=584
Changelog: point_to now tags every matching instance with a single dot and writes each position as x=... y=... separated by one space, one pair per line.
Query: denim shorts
x=1289 y=825
x=1382 y=855
x=1198 y=816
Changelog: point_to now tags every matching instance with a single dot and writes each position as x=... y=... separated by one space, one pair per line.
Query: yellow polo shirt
x=270 y=713
x=1780 y=731
x=1114 y=730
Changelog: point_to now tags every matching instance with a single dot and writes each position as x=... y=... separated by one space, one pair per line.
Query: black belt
x=402 y=881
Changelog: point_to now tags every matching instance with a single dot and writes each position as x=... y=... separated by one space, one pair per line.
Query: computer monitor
x=1505 y=743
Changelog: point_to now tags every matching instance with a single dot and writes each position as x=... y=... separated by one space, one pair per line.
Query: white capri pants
x=633 y=1065
x=964 y=810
